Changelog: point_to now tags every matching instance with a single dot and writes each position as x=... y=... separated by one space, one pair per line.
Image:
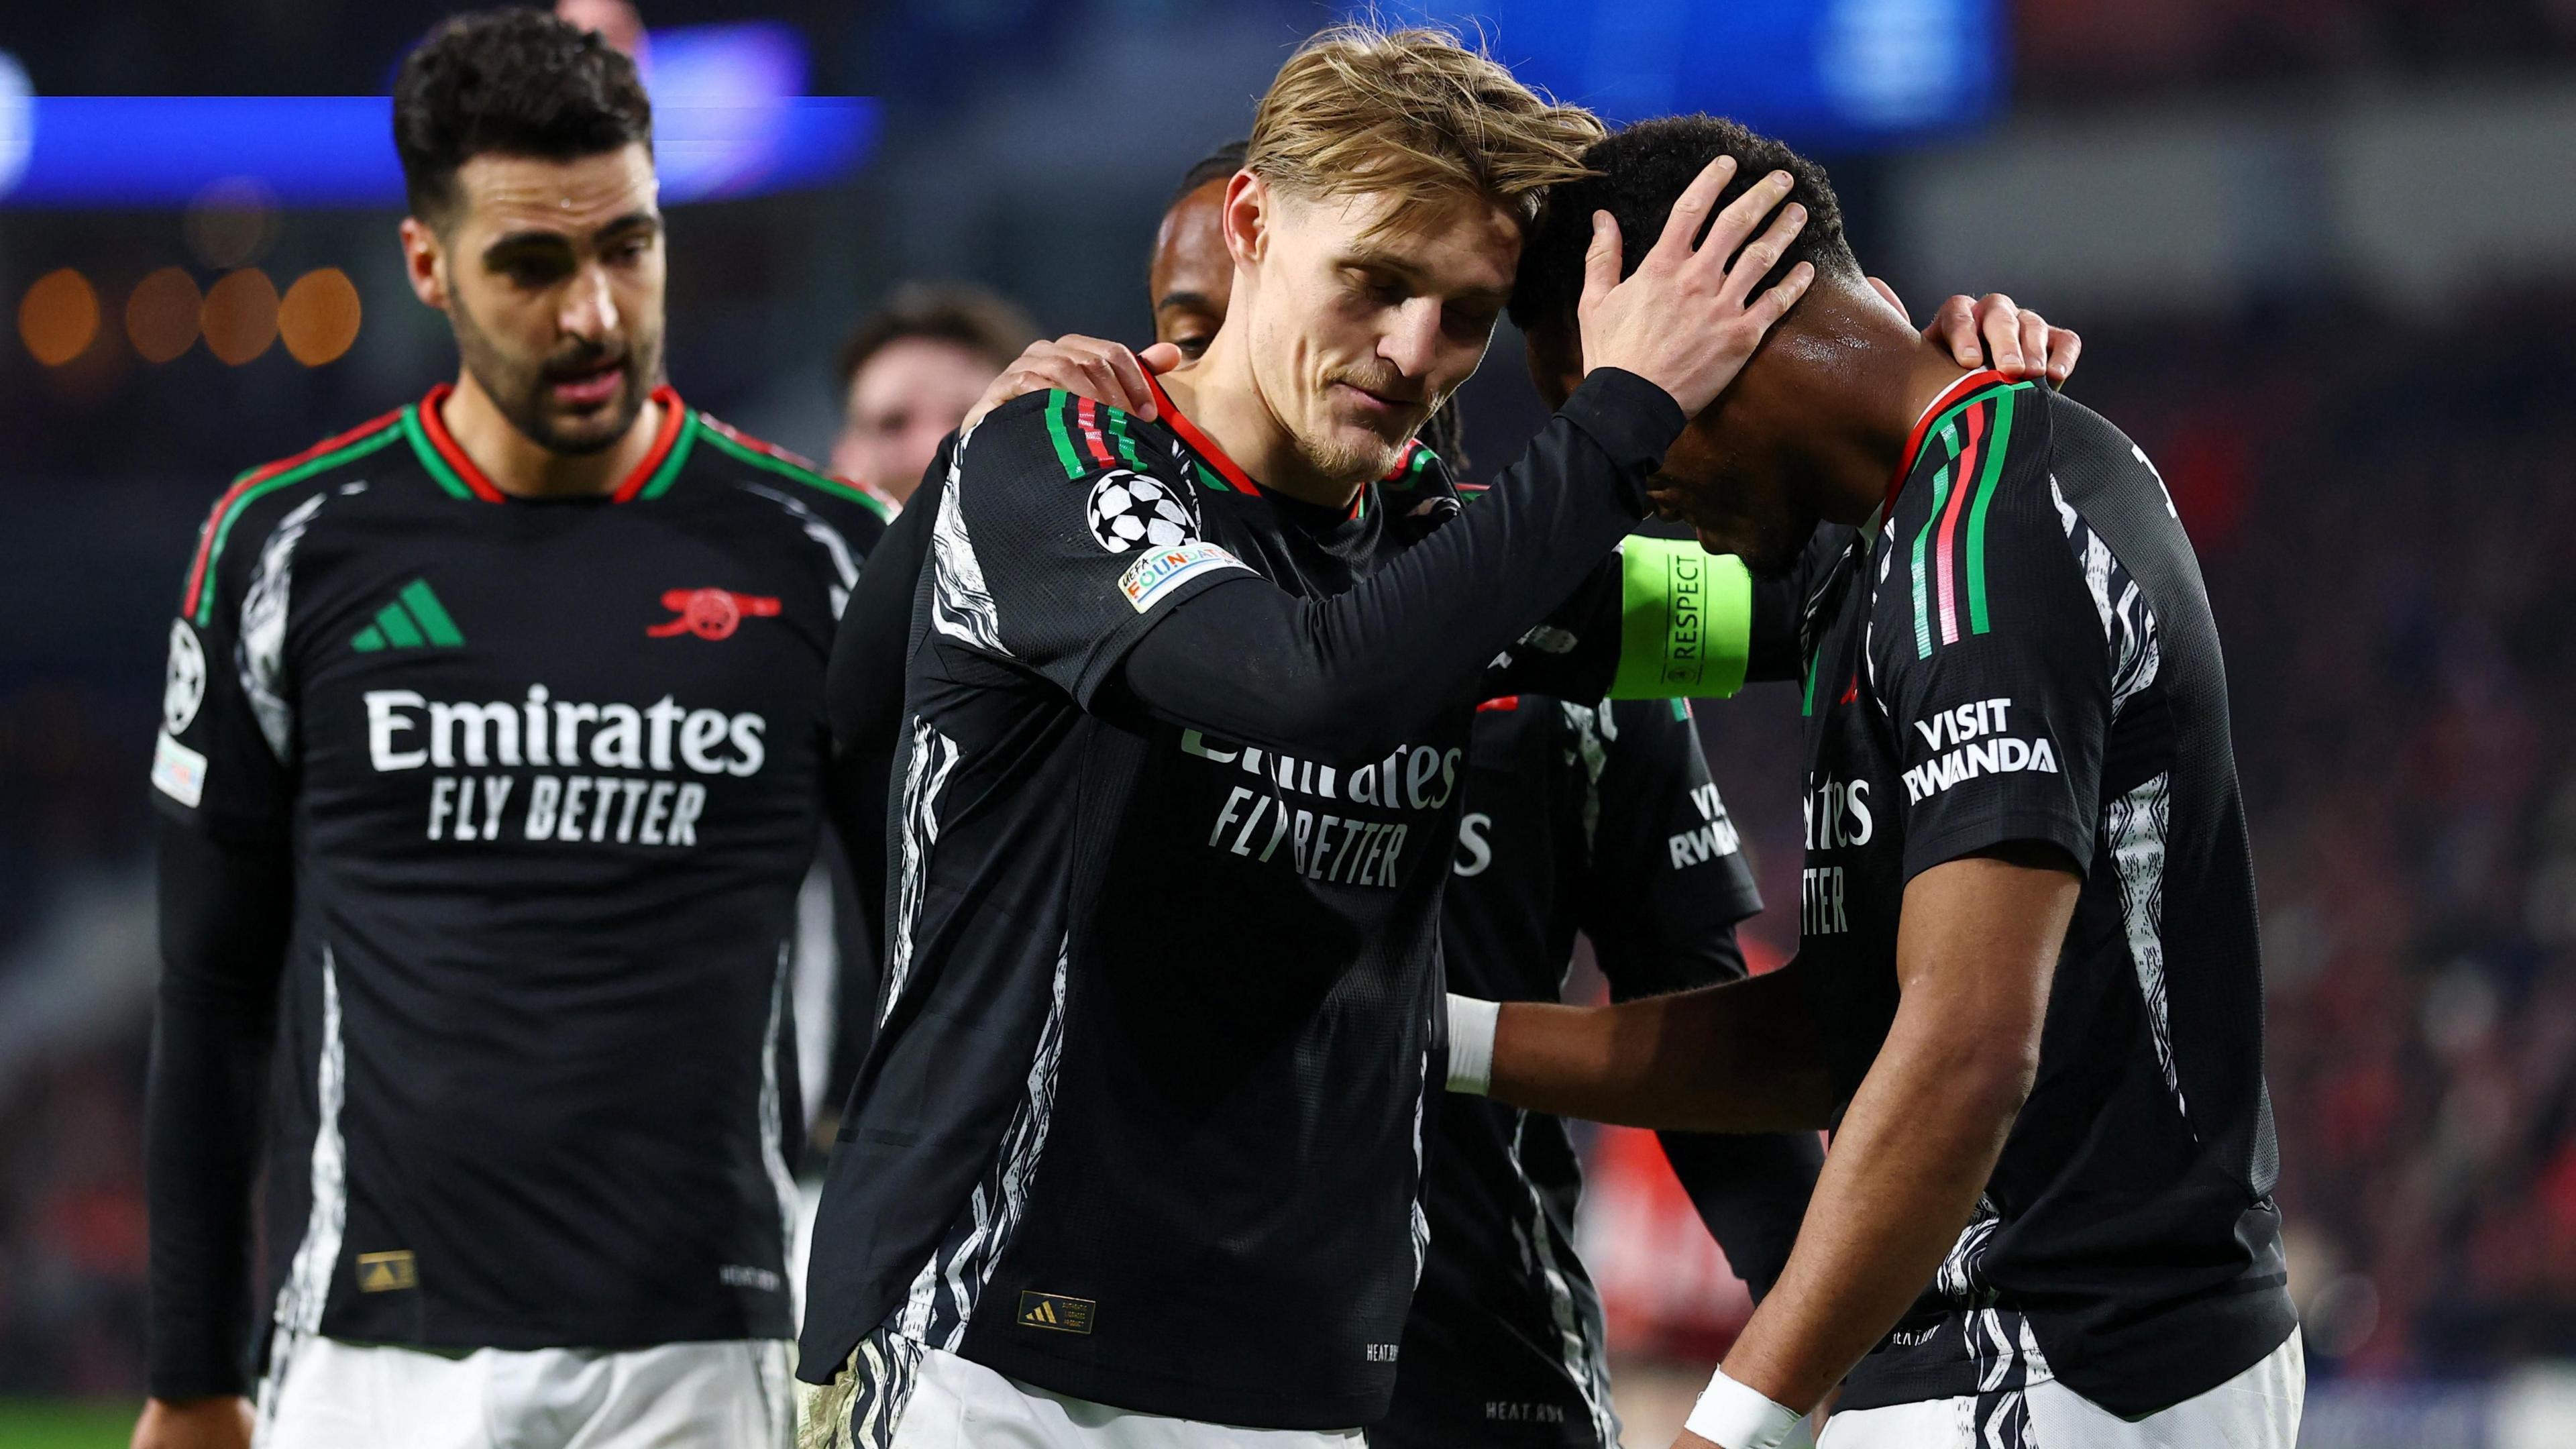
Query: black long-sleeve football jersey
x=1142 y=1123
x=549 y=774
x=1601 y=819
x=2022 y=650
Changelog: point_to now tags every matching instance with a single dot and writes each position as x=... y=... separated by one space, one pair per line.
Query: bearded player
x=491 y=761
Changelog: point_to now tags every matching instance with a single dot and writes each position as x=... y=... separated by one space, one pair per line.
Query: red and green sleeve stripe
x=1087 y=436
x=198 y=600
x=1946 y=563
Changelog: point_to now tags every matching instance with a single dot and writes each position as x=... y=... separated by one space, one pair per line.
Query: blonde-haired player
x=1133 y=1159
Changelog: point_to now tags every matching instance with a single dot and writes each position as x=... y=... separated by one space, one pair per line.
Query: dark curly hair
x=1637 y=176
x=517 y=82
x=1216 y=165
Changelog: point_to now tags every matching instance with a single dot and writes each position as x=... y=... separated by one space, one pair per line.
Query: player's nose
x=1413 y=341
x=590 y=307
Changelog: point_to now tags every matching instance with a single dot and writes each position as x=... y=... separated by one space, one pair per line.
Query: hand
x=1105 y=372
x=1686 y=321
x=1990 y=331
x=221 y=1422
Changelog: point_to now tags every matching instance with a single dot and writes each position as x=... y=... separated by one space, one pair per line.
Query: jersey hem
x=1145 y=1391
x=520 y=1338
x=2145 y=1369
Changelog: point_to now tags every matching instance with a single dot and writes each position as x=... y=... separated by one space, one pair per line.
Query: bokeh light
x=319 y=318
x=240 y=315
x=58 y=318
x=232 y=222
x=161 y=315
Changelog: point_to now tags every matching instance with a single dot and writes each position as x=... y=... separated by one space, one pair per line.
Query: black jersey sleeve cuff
x=1632 y=419
x=1964 y=838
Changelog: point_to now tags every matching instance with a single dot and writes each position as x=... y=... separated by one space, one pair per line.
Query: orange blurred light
x=58 y=318
x=240 y=315
x=161 y=316
x=319 y=318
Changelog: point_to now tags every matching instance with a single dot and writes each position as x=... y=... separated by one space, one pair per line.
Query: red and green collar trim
x=199 y=598
x=454 y=472
x=1232 y=473
x=1952 y=398
x=1199 y=442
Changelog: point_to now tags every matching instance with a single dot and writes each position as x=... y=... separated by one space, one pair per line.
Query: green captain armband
x=1686 y=621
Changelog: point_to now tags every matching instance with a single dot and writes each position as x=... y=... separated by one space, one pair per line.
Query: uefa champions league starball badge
x=1131 y=511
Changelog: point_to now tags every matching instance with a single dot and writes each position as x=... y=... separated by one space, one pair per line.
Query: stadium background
x=2323 y=254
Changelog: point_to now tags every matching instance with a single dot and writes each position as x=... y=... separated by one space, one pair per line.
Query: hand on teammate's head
x=1685 y=320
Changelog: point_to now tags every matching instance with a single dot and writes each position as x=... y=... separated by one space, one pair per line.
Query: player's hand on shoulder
x=220 y=1422
x=1103 y=371
x=1687 y=321
x=1990 y=331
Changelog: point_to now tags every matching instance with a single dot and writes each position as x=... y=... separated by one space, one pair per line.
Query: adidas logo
x=1054 y=1310
x=387 y=1272
x=413 y=620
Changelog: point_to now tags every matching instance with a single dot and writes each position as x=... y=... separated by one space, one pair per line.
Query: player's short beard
x=517 y=387
x=1357 y=462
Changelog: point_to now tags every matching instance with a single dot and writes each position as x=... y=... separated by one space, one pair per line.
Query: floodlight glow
x=727 y=122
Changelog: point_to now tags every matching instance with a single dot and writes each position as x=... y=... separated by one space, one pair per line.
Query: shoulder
x=1057 y=436
x=260 y=498
x=1980 y=550
x=726 y=453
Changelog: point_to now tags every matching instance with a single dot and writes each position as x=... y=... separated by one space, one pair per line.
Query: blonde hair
x=1414 y=113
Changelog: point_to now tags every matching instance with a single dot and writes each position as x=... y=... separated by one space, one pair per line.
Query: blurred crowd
x=2085 y=50
x=2386 y=514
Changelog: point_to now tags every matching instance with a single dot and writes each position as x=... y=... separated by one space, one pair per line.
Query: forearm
x=1742 y=1057
x=223 y=927
x=1914 y=1150
x=201 y=1138
x=1354 y=674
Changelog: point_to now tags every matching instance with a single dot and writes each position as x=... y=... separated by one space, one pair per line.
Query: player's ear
x=1250 y=208
x=422 y=253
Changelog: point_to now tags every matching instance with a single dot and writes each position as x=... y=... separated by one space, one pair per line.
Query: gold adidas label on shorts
x=386 y=1272
x=1054 y=1310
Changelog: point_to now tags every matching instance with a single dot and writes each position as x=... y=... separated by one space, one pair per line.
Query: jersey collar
x=457 y=474
x=1950 y=396
x=1200 y=443
x=1413 y=456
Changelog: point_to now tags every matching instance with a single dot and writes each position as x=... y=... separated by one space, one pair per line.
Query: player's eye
x=1192 y=347
x=1379 y=288
x=529 y=269
x=1469 y=323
